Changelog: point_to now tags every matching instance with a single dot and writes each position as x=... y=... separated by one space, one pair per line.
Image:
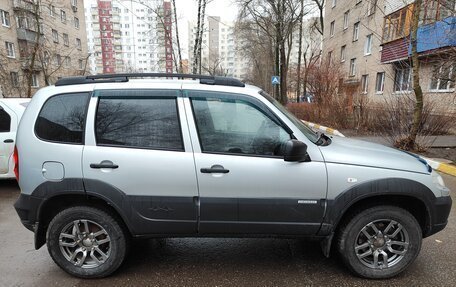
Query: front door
x=245 y=185
x=141 y=160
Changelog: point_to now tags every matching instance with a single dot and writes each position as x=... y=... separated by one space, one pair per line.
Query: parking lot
x=215 y=262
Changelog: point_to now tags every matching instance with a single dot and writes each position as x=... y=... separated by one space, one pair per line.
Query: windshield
x=308 y=132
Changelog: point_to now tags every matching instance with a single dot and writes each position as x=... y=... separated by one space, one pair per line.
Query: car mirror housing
x=294 y=150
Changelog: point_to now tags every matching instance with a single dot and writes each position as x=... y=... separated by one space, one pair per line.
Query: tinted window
x=144 y=123
x=5 y=121
x=236 y=126
x=62 y=118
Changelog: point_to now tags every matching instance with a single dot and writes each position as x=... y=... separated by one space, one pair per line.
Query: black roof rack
x=113 y=78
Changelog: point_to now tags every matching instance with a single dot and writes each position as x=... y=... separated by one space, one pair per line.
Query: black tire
x=351 y=235
x=98 y=221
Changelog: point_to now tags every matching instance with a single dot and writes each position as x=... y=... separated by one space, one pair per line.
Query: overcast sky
x=187 y=10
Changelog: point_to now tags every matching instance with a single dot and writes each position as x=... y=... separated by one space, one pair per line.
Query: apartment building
x=436 y=48
x=369 y=41
x=41 y=41
x=219 y=50
x=129 y=36
x=352 y=43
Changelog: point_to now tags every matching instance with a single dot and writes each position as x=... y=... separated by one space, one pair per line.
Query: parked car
x=11 y=110
x=103 y=159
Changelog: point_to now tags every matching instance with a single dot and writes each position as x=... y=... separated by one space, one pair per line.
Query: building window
x=371 y=5
x=368 y=45
x=57 y=60
x=81 y=64
x=10 y=53
x=35 y=83
x=74 y=3
x=14 y=79
x=443 y=78
x=346 y=19
x=78 y=43
x=334 y=2
x=5 y=18
x=364 y=83
x=52 y=11
x=76 y=22
x=331 y=29
x=66 y=40
x=67 y=61
x=330 y=57
x=402 y=79
x=352 y=67
x=62 y=16
x=55 y=36
x=356 y=31
x=342 y=53
x=380 y=83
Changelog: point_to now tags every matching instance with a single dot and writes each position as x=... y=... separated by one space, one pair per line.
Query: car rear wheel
x=86 y=242
x=379 y=242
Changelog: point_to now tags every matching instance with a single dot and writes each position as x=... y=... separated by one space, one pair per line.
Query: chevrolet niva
x=107 y=158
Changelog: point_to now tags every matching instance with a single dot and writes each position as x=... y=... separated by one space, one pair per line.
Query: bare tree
x=277 y=21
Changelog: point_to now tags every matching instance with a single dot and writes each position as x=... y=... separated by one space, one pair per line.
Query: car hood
x=358 y=152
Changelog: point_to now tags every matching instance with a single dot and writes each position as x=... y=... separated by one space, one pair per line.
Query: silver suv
x=104 y=159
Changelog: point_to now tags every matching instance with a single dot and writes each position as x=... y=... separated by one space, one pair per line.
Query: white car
x=11 y=111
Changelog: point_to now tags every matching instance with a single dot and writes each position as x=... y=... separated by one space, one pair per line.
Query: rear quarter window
x=62 y=118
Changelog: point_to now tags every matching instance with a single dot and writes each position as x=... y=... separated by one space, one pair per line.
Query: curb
x=324 y=129
x=441 y=166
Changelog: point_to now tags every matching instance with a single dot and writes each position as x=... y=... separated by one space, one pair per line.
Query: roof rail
x=113 y=78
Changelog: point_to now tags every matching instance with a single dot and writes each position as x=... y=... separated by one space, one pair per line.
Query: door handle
x=104 y=165
x=214 y=169
x=8 y=141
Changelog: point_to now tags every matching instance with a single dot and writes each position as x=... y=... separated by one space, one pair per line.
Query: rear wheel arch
x=53 y=205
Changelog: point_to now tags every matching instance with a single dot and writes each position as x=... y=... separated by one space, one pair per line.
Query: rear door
x=8 y=126
x=140 y=159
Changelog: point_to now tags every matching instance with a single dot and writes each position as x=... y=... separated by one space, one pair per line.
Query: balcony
x=21 y=5
x=28 y=35
x=431 y=38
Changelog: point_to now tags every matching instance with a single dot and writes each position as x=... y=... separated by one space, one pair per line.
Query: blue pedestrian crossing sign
x=275 y=80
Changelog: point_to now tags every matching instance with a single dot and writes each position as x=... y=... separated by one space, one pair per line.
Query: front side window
x=5 y=121
x=135 y=119
x=62 y=118
x=235 y=126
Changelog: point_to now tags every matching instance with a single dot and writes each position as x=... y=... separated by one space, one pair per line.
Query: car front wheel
x=379 y=242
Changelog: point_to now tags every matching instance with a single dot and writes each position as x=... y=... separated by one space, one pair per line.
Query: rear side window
x=151 y=123
x=5 y=121
x=62 y=118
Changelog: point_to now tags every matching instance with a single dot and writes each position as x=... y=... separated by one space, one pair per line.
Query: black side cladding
x=437 y=208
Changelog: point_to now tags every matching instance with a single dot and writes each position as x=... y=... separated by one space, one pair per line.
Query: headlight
x=440 y=184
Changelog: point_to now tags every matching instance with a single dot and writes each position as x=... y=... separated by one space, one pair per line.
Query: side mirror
x=294 y=150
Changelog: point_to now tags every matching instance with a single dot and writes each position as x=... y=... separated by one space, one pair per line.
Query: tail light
x=16 y=163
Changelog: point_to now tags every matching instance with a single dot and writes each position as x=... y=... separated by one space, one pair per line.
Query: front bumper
x=441 y=211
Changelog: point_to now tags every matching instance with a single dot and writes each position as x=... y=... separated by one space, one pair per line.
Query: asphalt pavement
x=216 y=262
